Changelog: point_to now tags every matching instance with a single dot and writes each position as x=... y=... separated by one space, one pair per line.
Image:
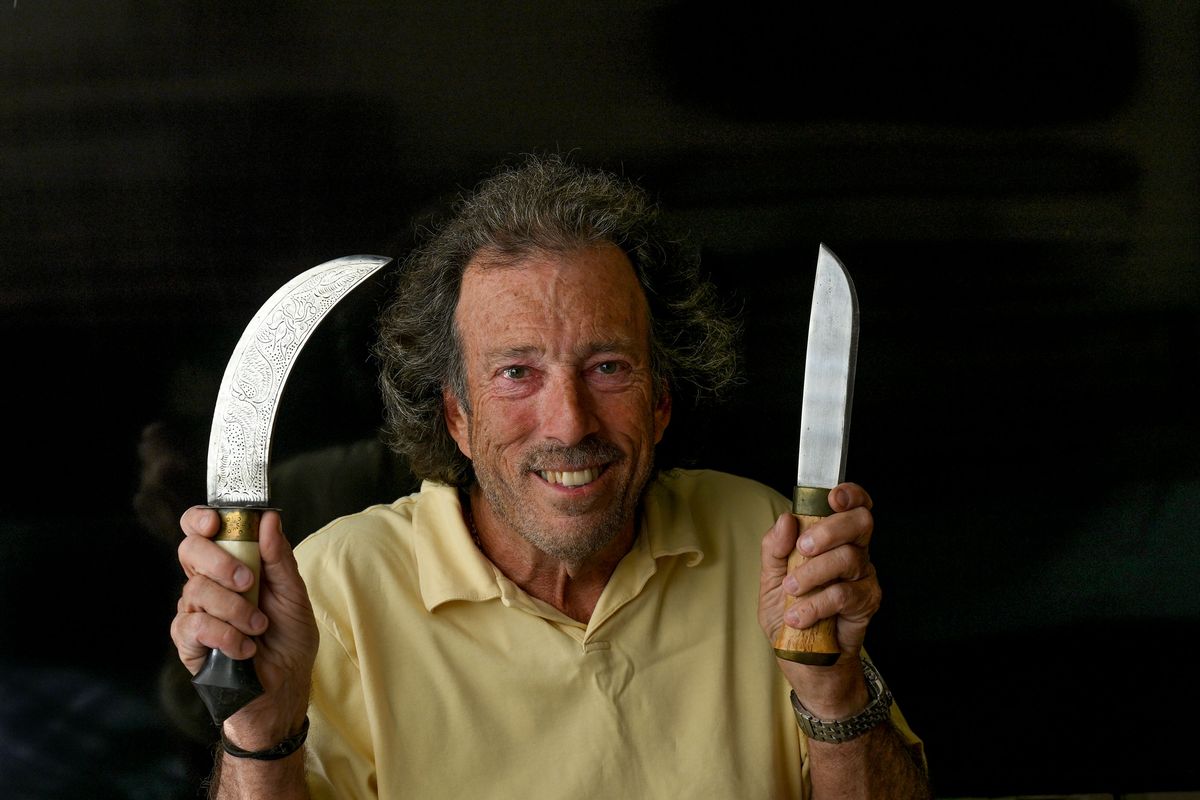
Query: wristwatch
x=879 y=709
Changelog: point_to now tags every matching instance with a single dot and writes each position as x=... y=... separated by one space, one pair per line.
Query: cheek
x=498 y=424
x=639 y=421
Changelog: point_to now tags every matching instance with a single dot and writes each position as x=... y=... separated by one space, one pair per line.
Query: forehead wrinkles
x=591 y=294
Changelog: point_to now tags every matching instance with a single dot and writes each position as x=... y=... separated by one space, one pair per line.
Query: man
x=550 y=616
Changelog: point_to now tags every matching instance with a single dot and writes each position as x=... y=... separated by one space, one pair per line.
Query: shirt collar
x=667 y=526
x=450 y=567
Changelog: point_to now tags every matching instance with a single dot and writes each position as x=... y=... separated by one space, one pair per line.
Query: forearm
x=253 y=764
x=877 y=765
x=248 y=779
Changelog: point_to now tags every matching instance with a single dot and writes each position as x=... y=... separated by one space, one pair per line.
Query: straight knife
x=239 y=446
x=824 y=433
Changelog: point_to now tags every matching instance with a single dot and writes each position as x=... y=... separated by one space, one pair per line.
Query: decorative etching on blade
x=257 y=375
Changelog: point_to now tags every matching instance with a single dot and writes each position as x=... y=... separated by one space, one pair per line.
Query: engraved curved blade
x=828 y=375
x=239 y=446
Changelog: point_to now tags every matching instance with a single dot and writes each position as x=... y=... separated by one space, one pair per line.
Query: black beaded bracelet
x=282 y=750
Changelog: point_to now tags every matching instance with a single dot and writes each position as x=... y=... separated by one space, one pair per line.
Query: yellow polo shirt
x=437 y=677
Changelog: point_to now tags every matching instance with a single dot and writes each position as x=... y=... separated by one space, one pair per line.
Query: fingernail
x=792 y=618
x=842 y=498
x=242 y=577
x=790 y=585
x=258 y=620
x=806 y=543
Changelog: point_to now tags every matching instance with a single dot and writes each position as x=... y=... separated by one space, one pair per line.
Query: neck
x=573 y=588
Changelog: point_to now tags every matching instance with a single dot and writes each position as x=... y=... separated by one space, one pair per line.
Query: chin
x=574 y=542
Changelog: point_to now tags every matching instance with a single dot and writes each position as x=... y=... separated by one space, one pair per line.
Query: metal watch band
x=878 y=710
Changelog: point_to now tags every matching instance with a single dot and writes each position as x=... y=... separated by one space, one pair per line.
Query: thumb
x=281 y=574
x=778 y=545
x=271 y=541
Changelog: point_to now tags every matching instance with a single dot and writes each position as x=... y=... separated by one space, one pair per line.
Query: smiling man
x=556 y=613
x=564 y=415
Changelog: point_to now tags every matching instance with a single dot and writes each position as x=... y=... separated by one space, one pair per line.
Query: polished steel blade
x=239 y=446
x=828 y=375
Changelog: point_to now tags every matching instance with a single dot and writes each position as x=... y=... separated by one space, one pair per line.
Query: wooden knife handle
x=815 y=645
x=226 y=684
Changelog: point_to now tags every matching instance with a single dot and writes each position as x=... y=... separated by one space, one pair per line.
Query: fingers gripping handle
x=226 y=684
x=815 y=645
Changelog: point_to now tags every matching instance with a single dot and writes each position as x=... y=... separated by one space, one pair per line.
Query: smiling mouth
x=570 y=478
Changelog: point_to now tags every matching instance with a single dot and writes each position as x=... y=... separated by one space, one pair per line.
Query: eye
x=608 y=367
x=515 y=373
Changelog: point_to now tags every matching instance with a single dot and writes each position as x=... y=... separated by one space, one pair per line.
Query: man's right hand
x=212 y=614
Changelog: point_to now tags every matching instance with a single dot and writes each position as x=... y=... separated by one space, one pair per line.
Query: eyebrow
x=510 y=353
x=623 y=345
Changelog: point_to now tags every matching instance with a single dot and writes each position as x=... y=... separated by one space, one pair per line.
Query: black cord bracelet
x=282 y=750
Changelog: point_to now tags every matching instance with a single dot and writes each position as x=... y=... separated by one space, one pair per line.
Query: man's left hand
x=837 y=580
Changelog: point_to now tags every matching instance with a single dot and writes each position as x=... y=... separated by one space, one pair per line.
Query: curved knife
x=824 y=433
x=239 y=446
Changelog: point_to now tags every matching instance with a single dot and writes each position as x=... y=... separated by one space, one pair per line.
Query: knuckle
x=199 y=521
x=186 y=631
x=838 y=594
x=187 y=521
x=194 y=592
x=858 y=564
x=230 y=639
x=849 y=561
x=875 y=600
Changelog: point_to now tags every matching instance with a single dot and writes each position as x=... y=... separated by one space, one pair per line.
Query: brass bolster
x=811 y=501
x=239 y=524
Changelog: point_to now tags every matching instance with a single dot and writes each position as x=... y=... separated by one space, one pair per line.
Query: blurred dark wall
x=1014 y=188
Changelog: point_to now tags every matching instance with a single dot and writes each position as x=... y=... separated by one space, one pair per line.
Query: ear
x=456 y=421
x=662 y=413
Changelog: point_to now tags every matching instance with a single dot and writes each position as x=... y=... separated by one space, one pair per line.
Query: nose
x=568 y=410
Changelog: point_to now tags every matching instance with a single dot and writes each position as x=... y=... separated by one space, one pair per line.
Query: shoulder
x=716 y=493
x=362 y=563
x=378 y=530
x=710 y=511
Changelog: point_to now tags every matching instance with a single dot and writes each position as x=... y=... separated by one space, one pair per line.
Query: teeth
x=570 y=478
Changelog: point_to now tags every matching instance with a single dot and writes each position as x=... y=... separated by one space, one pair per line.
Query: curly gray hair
x=545 y=204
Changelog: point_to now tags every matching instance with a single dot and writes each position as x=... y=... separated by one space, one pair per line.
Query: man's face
x=564 y=413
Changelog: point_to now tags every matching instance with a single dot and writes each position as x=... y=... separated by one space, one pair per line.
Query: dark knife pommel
x=226 y=684
x=815 y=645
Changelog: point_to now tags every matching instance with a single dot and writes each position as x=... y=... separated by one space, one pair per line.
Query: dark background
x=1013 y=187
